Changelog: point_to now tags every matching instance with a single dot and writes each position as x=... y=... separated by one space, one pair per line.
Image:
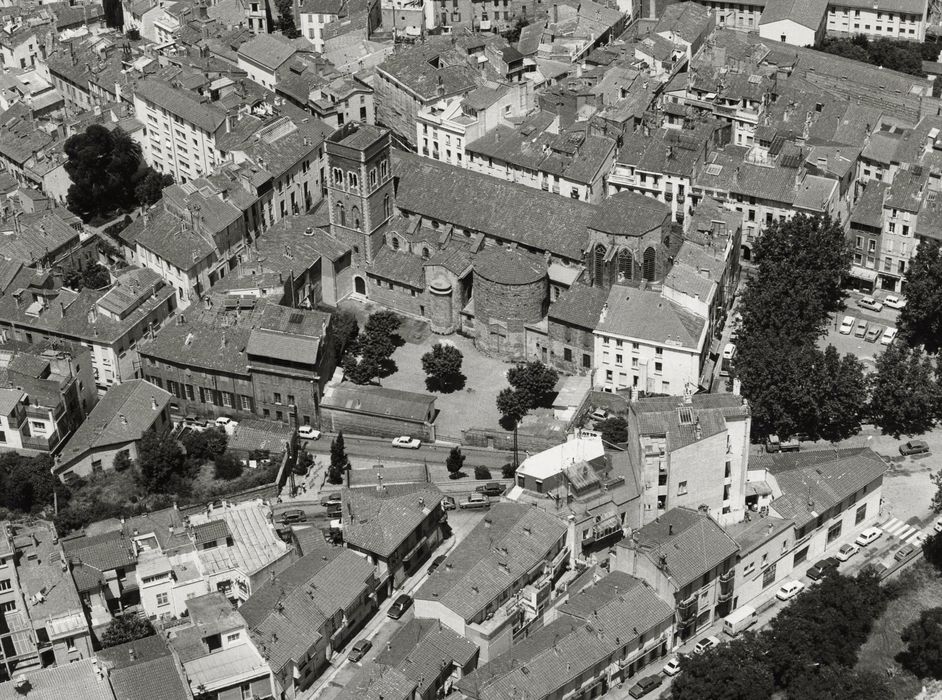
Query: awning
x=863 y=273
x=607 y=525
x=758 y=488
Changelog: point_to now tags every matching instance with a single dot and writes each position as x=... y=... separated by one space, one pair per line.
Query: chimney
x=670 y=529
x=123 y=419
x=153 y=402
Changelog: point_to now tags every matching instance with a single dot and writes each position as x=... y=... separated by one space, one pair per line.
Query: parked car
x=223 y=421
x=672 y=667
x=847 y=325
x=904 y=552
x=492 y=489
x=475 y=500
x=599 y=414
x=873 y=334
x=436 y=562
x=861 y=329
x=399 y=606
x=292 y=516
x=327 y=501
x=870 y=303
x=359 y=650
x=894 y=301
x=879 y=569
x=868 y=536
x=889 y=335
x=773 y=443
x=306 y=432
x=706 y=644
x=645 y=686
x=410 y=443
x=448 y=503
x=938 y=526
x=823 y=568
x=790 y=590
x=914 y=447
x=847 y=551
x=194 y=420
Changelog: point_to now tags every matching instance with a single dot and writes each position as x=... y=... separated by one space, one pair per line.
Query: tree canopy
x=126 y=628
x=613 y=429
x=534 y=381
x=339 y=463
x=101 y=165
x=26 y=483
x=368 y=355
x=442 y=366
x=923 y=653
x=733 y=671
x=454 y=462
x=161 y=461
x=149 y=189
x=920 y=321
x=905 y=396
x=800 y=264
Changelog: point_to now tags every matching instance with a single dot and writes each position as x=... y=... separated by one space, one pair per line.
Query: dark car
x=292 y=516
x=823 y=568
x=491 y=488
x=914 y=447
x=399 y=607
x=904 y=552
x=448 y=503
x=436 y=562
x=645 y=686
x=359 y=649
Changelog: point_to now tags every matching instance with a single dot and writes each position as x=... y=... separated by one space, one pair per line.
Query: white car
x=847 y=325
x=706 y=644
x=938 y=526
x=790 y=590
x=223 y=421
x=868 y=536
x=410 y=443
x=889 y=335
x=672 y=667
x=847 y=551
x=306 y=432
x=894 y=301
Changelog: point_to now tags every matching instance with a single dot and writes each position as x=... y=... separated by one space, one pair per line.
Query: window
x=608 y=375
x=338 y=176
x=681 y=488
x=246 y=404
x=729 y=469
x=277 y=397
x=162 y=600
x=232 y=637
x=618 y=359
x=70 y=644
x=5 y=585
x=372 y=178
x=387 y=207
x=567 y=354
x=226 y=399
x=383 y=169
x=96 y=465
x=658 y=366
x=861 y=514
x=768 y=576
x=291 y=399
x=859 y=242
x=834 y=531
x=8 y=607
x=340 y=216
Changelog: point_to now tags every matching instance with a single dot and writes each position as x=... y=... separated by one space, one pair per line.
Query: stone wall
x=502 y=310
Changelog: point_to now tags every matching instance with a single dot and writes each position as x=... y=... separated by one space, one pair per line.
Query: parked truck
x=774 y=443
x=740 y=620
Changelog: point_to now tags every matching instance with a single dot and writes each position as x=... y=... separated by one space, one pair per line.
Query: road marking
x=900 y=530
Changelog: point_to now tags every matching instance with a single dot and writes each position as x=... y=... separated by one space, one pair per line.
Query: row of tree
x=807 y=652
x=796 y=387
x=106 y=173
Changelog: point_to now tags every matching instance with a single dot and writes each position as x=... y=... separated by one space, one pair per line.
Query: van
x=729 y=354
x=740 y=620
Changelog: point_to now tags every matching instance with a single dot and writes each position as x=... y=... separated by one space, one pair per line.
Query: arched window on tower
x=650 y=257
x=340 y=217
x=355 y=212
x=395 y=243
x=625 y=265
x=598 y=265
x=387 y=207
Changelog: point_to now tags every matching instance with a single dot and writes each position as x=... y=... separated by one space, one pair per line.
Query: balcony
x=687 y=610
x=38 y=412
x=39 y=442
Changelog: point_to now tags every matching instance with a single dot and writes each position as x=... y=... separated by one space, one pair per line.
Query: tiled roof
x=75 y=681
x=686 y=543
x=138 y=651
x=379 y=400
x=629 y=214
x=285 y=617
x=541 y=221
x=510 y=541
x=211 y=531
x=422 y=648
x=267 y=50
x=180 y=103
x=379 y=521
x=424 y=67
x=375 y=682
x=510 y=267
x=869 y=208
x=157 y=679
x=646 y=315
x=809 y=489
x=104 y=552
x=580 y=305
x=399 y=266
x=124 y=414
x=807 y=13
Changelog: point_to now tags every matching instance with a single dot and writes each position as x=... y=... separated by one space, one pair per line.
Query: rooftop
x=181 y=103
x=379 y=520
x=79 y=680
x=254 y=542
x=267 y=50
x=647 y=316
x=509 y=267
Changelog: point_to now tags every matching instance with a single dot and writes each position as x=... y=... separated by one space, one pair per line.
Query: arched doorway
x=745 y=253
x=359 y=285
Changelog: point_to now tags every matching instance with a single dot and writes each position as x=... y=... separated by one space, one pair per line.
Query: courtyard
x=864 y=350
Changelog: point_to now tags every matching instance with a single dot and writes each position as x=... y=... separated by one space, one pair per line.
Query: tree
x=454 y=462
x=122 y=461
x=95 y=277
x=26 y=483
x=101 y=165
x=932 y=550
x=512 y=35
x=206 y=444
x=442 y=366
x=920 y=321
x=481 y=472
x=533 y=380
x=383 y=323
x=923 y=637
x=150 y=187
x=905 y=396
x=345 y=330
x=732 y=671
x=512 y=405
x=339 y=463
x=360 y=369
x=161 y=462
x=126 y=628
x=227 y=466
x=841 y=393
x=832 y=682
x=286 y=22
x=614 y=429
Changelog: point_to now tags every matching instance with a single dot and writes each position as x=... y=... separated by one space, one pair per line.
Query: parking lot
x=861 y=347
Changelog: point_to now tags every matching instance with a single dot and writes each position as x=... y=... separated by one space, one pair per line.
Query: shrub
x=482 y=472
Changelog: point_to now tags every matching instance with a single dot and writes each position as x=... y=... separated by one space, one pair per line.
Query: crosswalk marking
x=900 y=530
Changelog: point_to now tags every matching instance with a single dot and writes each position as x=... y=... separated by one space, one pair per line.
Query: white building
x=892 y=19
x=180 y=130
x=795 y=22
x=314 y=15
x=261 y=58
x=646 y=342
